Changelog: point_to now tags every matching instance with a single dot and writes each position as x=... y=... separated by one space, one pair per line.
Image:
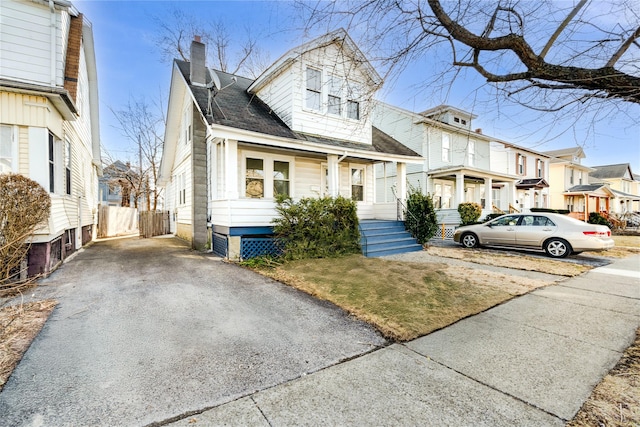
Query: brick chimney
x=479 y=130
x=197 y=74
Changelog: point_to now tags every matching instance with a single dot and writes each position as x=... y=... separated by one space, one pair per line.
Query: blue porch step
x=381 y=237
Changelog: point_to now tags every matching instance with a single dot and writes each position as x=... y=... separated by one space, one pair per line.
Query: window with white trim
x=446 y=147
x=357 y=184
x=6 y=149
x=254 y=178
x=52 y=163
x=353 y=105
x=471 y=152
x=540 y=168
x=182 y=189
x=67 y=166
x=280 y=178
x=334 y=97
x=521 y=164
x=313 y=96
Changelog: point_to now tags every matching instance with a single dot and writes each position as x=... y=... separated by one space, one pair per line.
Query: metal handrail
x=401 y=207
x=362 y=235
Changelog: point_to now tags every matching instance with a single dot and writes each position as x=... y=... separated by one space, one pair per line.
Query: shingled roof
x=610 y=171
x=233 y=106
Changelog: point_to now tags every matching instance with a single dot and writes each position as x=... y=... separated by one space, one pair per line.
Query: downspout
x=342 y=157
x=52 y=42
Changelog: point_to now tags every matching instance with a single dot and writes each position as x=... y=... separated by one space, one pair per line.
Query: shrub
x=24 y=206
x=596 y=218
x=420 y=216
x=317 y=227
x=469 y=212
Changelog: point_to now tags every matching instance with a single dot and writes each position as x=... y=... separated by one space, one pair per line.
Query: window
x=504 y=221
x=67 y=166
x=314 y=89
x=6 y=149
x=182 y=189
x=521 y=164
x=571 y=176
x=52 y=164
x=540 y=168
x=353 y=110
x=463 y=121
x=579 y=177
x=446 y=147
x=186 y=125
x=536 y=221
x=280 y=178
x=357 y=184
x=254 y=183
x=334 y=105
x=471 y=152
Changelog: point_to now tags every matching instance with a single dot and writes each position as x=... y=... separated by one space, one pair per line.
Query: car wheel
x=469 y=240
x=557 y=248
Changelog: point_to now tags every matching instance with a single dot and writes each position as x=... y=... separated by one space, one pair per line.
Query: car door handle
x=547 y=229
x=510 y=229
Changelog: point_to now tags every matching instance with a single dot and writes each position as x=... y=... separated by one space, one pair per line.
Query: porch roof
x=597 y=190
x=525 y=184
x=470 y=172
x=623 y=195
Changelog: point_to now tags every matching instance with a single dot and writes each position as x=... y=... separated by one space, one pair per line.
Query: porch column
x=332 y=174
x=488 y=193
x=586 y=208
x=532 y=198
x=401 y=169
x=459 y=189
x=231 y=169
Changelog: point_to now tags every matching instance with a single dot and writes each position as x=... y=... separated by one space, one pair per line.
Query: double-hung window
x=6 y=149
x=521 y=164
x=254 y=182
x=67 y=166
x=471 y=152
x=540 y=168
x=314 y=89
x=280 y=178
x=52 y=163
x=446 y=147
x=353 y=105
x=357 y=184
x=334 y=100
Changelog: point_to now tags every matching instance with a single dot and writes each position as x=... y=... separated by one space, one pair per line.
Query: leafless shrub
x=24 y=206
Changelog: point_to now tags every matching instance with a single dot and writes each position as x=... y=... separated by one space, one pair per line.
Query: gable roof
x=590 y=188
x=233 y=106
x=338 y=36
x=611 y=171
x=444 y=108
x=567 y=152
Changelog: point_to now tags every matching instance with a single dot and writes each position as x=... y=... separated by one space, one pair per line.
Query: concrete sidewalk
x=531 y=361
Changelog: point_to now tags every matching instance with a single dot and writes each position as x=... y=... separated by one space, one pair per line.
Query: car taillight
x=597 y=233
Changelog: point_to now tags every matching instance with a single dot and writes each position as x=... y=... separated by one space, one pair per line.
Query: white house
x=462 y=164
x=301 y=128
x=49 y=128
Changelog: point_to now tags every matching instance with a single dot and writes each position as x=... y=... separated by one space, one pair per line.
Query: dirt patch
x=19 y=325
x=516 y=261
x=616 y=400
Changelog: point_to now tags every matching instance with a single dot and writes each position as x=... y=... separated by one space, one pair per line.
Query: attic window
x=353 y=110
x=463 y=121
x=314 y=89
x=456 y=119
x=334 y=104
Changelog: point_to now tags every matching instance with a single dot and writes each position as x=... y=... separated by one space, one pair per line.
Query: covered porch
x=582 y=200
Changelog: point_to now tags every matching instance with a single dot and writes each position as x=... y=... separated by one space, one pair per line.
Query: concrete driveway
x=147 y=331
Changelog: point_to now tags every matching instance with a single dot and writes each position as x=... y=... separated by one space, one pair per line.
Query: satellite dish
x=215 y=80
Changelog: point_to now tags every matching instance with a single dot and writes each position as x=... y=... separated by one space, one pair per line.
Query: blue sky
x=130 y=66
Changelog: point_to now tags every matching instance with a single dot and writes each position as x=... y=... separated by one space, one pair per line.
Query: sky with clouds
x=130 y=66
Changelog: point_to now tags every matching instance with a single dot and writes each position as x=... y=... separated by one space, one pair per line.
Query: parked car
x=558 y=235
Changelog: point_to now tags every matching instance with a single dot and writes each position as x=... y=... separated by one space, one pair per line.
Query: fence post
x=443 y=231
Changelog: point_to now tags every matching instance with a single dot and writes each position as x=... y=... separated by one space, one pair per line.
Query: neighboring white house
x=49 y=128
x=301 y=128
x=623 y=184
x=462 y=164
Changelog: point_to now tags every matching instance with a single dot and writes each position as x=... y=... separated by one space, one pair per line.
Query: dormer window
x=314 y=89
x=353 y=110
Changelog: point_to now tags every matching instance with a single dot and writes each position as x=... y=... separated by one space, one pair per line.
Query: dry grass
x=615 y=402
x=402 y=300
x=19 y=325
x=627 y=241
x=515 y=260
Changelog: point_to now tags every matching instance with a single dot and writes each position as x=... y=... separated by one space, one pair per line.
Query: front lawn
x=403 y=300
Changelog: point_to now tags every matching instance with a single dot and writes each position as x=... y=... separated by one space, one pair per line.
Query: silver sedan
x=558 y=235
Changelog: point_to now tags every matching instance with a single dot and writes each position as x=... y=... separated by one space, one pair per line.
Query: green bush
x=469 y=212
x=596 y=218
x=420 y=216
x=316 y=227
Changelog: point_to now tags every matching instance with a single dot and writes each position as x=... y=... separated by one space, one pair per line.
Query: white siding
x=308 y=181
x=279 y=95
x=25 y=43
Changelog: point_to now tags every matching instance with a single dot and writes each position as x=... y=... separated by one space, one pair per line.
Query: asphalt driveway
x=147 y=330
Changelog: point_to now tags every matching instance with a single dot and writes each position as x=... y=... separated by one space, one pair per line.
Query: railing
x=401 y=209
x=513 y=209
x=363 y=236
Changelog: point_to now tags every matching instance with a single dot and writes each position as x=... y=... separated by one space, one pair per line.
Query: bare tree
x=143 y=126
x=545 y=55
x=176 y=30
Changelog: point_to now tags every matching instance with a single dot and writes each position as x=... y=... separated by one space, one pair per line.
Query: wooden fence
x=153 y=223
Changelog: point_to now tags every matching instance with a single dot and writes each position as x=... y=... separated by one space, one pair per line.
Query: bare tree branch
x=561 y=28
